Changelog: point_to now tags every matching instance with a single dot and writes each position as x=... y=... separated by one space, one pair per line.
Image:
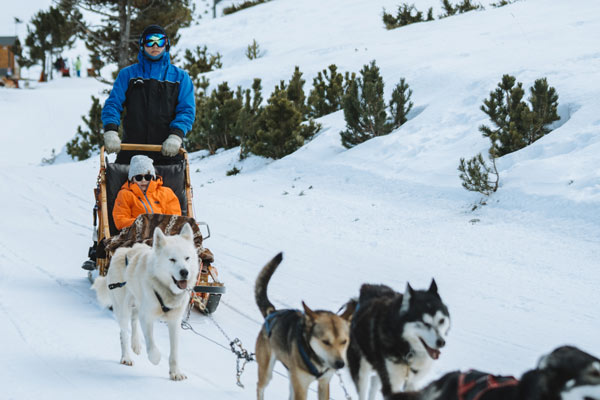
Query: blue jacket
x=158 y=100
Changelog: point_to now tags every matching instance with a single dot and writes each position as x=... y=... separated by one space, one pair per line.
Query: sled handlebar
x=145 y=147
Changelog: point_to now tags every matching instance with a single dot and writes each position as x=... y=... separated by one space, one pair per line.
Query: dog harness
x=270 y=321
x=118 y=284
x=472 y=385
x=164 y=308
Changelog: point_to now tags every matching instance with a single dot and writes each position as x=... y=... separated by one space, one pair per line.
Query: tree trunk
x=125 y=30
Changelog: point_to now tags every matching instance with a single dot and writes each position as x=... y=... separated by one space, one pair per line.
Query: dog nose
x=440 y=343
x=183 y=273
x=339 y=364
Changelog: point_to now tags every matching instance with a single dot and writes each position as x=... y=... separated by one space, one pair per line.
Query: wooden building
x=8 y=65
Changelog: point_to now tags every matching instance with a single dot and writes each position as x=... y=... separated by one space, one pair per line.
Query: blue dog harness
x=271 y=320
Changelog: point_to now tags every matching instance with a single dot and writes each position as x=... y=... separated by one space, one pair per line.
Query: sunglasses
x=147 y=177
x=155 y=39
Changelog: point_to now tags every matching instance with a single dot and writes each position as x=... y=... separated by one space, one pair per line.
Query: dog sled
x=207 y=292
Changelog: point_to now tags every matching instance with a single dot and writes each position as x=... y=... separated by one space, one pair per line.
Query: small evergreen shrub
x=327 y=93
x=365 y=108
x=475 y=175
x=248 y=121
x=502 y=3
x=216 y=116
x=200 y=61
x=515 y=124
x=238 y=7
x=281 y=131
x=233 y=171
x=404 y=16
x=253 y=51
x=460 y=8
x=88 y=141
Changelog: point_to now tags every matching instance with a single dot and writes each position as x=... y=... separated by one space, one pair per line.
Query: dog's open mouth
x=182 y=284
x=433 y=353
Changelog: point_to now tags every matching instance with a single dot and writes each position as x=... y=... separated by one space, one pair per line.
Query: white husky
x=149 y=283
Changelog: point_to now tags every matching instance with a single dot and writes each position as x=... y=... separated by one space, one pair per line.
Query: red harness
x=474 y=384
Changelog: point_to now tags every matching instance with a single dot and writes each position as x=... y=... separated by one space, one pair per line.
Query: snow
x=519 y=275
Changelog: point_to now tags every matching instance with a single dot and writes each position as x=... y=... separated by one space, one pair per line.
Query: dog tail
x=101 y=287
x=262 y=281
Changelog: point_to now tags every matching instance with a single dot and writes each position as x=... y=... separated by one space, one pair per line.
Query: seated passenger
x=143 y=193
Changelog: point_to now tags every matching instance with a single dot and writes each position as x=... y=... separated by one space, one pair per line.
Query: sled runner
x=208 y=290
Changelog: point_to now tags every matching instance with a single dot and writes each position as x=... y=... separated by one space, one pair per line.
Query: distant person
x=143 y=193
x=158 y=97
x=78 y=67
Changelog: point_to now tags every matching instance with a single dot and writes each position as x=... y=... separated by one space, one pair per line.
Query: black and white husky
x=395 y=337
x=565 y=374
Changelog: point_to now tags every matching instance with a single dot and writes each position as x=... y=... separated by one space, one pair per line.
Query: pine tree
x=400 y=104
x=281 y=130
x=364 y=108
x=215 y=120
x=48 y=33
x=475 y=175
x=253 y=51
x=467 y=6
x=448 y=9
x=248 y=122
x=327 y=93
x=199 y=62
x=86 y=142
x=430 y=14
x=404 y=16
x=295 y=92
x=544 y=105
x=510 y=115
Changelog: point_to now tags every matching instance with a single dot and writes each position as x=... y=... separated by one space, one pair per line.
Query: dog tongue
x=435 y=354
x=182 y=284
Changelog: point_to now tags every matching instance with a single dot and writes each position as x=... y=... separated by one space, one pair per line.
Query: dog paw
x=154 y=355
x=136 y=347
x=177 y=376
x=126 y=361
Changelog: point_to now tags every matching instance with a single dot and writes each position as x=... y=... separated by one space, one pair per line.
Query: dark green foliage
x=463 y=7
x=327 y=93
x=248 y=121
x=48 y=33
x=216 y=116
x=404 y=16
x=233 y=171
x=430 y=14
x=86 y=142
x=115 y=38
x=253 y=51
x=516 y=125
x=400 y=104
x=502 y=3
x=295 y=92
x=544 y=104
x=475 y=175
x=365 y=109
x=281 y=130
x=200 y=62
x=238 y=7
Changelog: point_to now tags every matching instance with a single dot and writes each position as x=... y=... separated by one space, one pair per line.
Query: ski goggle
x=157 y=39
x=140 y=177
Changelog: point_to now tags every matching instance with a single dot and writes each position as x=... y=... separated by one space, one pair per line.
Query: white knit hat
x=141 y=165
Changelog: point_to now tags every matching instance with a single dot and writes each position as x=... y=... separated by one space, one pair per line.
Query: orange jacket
x=131 y=202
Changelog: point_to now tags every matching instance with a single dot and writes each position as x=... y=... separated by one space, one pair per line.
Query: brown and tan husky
x=310 y=344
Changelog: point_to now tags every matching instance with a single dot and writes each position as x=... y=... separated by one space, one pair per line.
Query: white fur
x=148 y=270
x=582 y=392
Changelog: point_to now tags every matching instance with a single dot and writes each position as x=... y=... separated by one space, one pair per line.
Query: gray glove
x=171 y=145
x=112 y=143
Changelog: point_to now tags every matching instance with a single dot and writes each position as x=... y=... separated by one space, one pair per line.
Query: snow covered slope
x=520 y=275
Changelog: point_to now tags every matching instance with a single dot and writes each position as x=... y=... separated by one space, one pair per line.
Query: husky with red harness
x=565 y=374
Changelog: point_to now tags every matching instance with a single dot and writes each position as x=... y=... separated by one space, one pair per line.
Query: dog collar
x=164 y=308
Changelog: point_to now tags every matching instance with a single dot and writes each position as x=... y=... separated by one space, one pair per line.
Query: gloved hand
x=112 y=143
x=171 y=145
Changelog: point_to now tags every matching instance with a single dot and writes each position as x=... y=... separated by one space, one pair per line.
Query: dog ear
x=406 y=298
x=310 y=313
x=186 y=232
x=158 y=239
x=350 y=307
x=433 y=287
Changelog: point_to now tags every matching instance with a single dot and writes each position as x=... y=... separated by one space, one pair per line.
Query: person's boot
x=89 y=265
